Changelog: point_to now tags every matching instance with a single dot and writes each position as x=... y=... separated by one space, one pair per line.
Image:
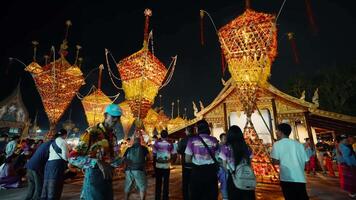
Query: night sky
x=118 y=26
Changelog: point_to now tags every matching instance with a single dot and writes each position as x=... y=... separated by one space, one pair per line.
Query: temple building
x=14 y=118
x=274 y=106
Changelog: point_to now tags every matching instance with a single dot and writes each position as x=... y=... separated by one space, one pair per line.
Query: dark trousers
x=235 y=193
x=35 y=182
x=204 y=183
x=294 y=190
x=162 y=175
x=186 y=173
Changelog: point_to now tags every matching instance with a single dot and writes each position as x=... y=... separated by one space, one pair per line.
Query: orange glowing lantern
x=57 y=82
x=249 y=44
x=127 y=117
x=142 y=75
x=95 y=103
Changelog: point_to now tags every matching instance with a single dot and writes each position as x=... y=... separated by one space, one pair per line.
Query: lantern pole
x=172 y=110
x=101 y=67
x=247 y=4
x=34 y=43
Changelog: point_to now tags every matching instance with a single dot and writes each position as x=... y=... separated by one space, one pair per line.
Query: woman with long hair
x=235 y=151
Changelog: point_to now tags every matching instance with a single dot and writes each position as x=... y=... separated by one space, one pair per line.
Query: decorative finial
x=195 y=109
x=68 y=24
x=148 y=14
x=201 y=105
x=77 y=54
x=34 y=43
x=80 y=62
x=172 y=110
x=302 y=97
x=315 y=99
x=178 y=106
x=290 y=35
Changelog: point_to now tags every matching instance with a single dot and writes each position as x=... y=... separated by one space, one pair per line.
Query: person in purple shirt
x=204 y=182
x=162 y=151
x=235 y=151
x=35 y=169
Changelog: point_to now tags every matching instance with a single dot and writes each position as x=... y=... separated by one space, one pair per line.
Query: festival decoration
x=150 y=121
x=126 y=118
x=249 y=44
x=311 y=19
x=142 y=75
x=95 y=103
x=56 y=82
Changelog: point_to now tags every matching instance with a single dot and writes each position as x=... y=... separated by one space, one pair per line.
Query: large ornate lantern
x=249 y=44
x=94 y=104
x=142 y=75
x=57 y=82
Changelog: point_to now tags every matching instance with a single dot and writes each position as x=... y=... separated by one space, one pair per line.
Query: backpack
x=244 y=177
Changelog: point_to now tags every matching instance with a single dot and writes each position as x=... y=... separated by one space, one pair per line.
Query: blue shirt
x=39 y=158
x=347 y=156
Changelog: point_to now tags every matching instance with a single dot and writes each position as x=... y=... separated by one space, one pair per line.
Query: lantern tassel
x=313 y=26
x=223 y=65
x=294 y=47
x=202 y=27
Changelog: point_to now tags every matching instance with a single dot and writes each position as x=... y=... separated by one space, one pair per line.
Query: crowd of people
x=209 y=166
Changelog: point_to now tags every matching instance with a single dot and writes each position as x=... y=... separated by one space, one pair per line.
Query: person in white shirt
x=55 y=167
x=11 y=146
x=291 y=158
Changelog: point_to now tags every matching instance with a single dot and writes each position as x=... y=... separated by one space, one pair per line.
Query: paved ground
x=319 y=188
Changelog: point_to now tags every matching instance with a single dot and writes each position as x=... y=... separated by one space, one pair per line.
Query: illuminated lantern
x=150 y=121
x=94 y=106
x=126 y=118
x=95 y=103
x=249 y=44
x=57 y=82
x=142 y=75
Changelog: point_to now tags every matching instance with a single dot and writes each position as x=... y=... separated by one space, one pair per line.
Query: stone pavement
x=319 y=188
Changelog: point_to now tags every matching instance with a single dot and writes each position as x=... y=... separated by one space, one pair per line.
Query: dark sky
x=118 y=26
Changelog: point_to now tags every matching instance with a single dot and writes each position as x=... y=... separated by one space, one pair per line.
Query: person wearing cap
x=55 y=167
x=347 y=166
x=95 y=154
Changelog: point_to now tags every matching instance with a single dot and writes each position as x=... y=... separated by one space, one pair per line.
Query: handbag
x=216 y=163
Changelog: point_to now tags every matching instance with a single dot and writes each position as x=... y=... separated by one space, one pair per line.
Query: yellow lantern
x=94 y=106
x=142 y=75
x=249 y=44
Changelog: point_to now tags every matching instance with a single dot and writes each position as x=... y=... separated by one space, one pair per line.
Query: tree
x=337 y=90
